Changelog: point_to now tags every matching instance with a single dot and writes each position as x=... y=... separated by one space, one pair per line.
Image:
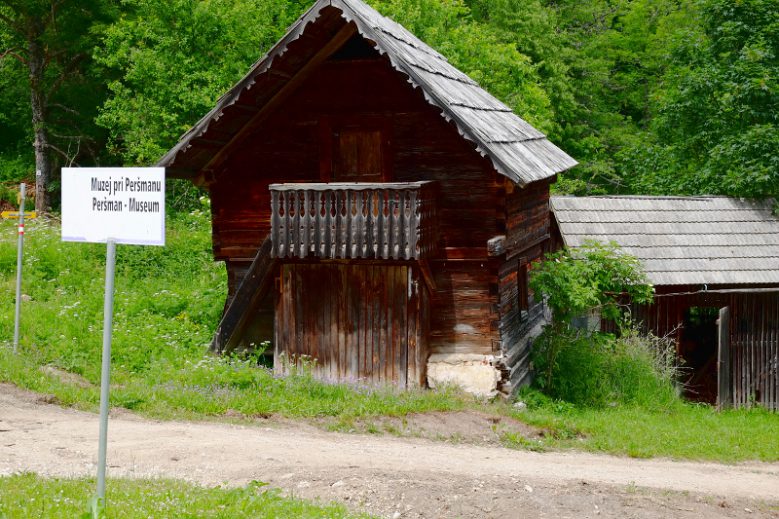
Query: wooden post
x=723 y=359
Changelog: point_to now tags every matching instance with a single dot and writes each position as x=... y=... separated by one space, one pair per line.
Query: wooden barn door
x=723 y=359
x=350 y=319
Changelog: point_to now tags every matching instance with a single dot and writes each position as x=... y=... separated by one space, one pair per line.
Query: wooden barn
x=714 y=262
x=375 y=208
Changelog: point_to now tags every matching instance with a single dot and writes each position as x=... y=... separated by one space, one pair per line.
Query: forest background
x=650 y=96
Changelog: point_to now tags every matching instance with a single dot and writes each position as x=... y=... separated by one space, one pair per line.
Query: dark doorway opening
x=698 y=349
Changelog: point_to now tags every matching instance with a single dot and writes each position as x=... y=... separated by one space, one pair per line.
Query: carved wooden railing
x=354 y=220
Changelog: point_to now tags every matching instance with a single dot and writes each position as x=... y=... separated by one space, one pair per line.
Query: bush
x=593 y=278
x=597 y=370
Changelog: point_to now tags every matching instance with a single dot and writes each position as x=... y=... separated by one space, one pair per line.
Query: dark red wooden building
x=714 y=262
x=375 y=207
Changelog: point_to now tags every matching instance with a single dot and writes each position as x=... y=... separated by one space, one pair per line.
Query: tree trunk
x=43 y=162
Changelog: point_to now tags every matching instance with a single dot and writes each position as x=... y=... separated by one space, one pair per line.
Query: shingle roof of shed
x=680 y=241
x=516 y=149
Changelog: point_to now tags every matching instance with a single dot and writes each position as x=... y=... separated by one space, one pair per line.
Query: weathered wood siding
x=527 y=239
x=753 y=330
x=422 y=145
x=358 y=322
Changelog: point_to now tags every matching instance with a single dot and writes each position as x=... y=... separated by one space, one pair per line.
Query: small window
x=523 y=291
x=358 y=156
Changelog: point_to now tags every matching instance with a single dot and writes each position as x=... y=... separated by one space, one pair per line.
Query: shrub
x=575 y=282
x=587 y=367
x=597 y=370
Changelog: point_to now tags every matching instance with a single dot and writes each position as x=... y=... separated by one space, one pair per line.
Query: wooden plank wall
x=527 y=239
x=352 y=319
x=755 y=350
x=464 y=313
x=754 y=336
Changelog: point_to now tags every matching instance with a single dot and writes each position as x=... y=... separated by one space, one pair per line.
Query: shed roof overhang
x=516 y=149
x=681 y=241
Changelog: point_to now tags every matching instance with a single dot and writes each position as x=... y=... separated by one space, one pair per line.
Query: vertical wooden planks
x=775 y=353
x=379 y=305
x=412 y=328
x=405 y=287
x=351 y=318
x=774 y=357
x=723 y=359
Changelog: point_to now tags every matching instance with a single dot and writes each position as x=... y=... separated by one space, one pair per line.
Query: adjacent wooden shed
x=374 y=206
x=714 y=262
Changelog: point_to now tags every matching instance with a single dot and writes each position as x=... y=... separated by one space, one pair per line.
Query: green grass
x=168 y=302
x=681 y=430
x=29 y=496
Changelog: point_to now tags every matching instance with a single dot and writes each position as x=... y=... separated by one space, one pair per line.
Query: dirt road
x=388 y=476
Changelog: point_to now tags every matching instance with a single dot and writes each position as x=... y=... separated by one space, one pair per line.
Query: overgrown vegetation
x=650 y=96
x=168 y=301
x=167 y=304
x=580 y=364
x=27 y=496
x=599 y=370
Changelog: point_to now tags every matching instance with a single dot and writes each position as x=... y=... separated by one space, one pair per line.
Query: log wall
x=423 y=146
x=521 y=316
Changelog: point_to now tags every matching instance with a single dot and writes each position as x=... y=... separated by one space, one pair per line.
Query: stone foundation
x=474 y=373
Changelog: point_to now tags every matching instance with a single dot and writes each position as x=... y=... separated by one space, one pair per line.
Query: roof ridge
x=414 y=58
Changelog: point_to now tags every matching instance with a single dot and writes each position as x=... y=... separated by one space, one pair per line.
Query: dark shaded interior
x=698 y=349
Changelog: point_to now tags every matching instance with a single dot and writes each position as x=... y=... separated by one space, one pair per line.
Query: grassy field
x=168 y=302
x=681 y=430
x=27 y=496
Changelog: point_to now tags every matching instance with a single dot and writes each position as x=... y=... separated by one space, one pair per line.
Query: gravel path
x=385 y=475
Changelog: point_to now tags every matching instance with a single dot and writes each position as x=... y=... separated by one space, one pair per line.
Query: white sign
x=126 y=205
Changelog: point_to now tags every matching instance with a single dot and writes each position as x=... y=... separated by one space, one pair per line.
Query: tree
x=171 y=60
x=489 y=54
x=614 y=52
x=574 y=282
x=52 y=41
x=717 y=122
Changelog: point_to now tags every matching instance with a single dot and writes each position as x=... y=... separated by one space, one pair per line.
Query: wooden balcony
x=353 y=220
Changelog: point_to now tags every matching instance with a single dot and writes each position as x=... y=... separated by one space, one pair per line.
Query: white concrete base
x=475 y=374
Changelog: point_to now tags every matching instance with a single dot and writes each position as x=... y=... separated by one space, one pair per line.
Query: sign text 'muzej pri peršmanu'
x=126 y=205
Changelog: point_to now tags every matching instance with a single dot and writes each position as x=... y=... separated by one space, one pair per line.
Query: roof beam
x=341 y=37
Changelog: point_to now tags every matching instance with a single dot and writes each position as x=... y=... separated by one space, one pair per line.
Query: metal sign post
x=105 y=374
x=111 y=206
x=18 y=310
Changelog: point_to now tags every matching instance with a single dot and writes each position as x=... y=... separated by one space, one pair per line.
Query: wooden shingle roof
x=516 y=149
x=680 y=240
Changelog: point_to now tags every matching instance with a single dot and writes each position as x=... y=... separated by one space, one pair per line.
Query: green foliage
x=156 y=313
x=591 y=277
x=68 y=87
x=597 y=370
x=27 y=496
x=172 y=61
x=716 y=128
x=586 y=367
x=651 y=96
